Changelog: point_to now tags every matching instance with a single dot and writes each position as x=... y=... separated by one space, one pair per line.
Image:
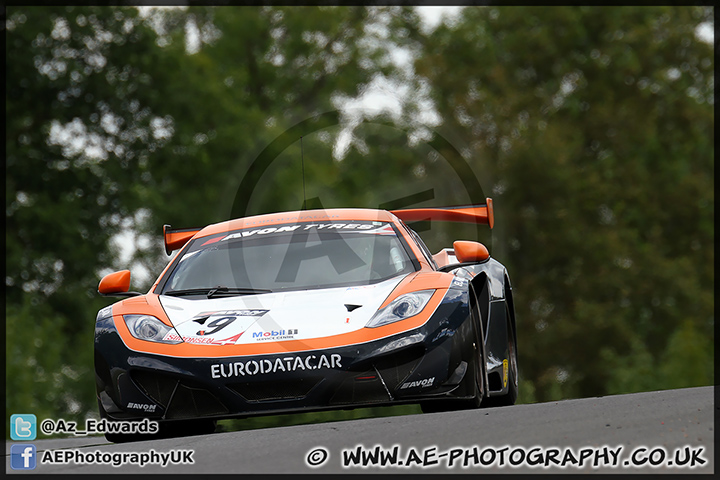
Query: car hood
x=292 y=315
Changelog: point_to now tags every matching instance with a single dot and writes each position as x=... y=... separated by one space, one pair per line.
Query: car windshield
x=290 y=257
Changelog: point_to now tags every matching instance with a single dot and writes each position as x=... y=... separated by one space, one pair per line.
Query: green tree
x=73 y=126
x=120 y=121
x=595 y=127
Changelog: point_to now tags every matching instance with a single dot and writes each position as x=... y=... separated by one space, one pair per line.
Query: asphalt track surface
x=622 y=434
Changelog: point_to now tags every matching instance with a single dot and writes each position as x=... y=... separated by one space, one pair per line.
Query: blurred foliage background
x=590 y=127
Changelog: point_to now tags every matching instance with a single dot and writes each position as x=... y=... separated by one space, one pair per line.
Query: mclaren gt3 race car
x=308 y=310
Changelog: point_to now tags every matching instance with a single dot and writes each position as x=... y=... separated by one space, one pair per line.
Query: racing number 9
x=218 y=325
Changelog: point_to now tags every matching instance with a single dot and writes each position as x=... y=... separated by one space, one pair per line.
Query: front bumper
x=428 y=362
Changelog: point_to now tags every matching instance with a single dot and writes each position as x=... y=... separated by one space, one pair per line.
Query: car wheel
x=479 y=386
x=511 y=396
x=477 y=376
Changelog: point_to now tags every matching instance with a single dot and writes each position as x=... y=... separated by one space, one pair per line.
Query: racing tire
x=511 y=396
x=477 y=377
x=478 y=385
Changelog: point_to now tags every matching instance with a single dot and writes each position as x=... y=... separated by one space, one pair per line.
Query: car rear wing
x=176 y=238
x=482 y=214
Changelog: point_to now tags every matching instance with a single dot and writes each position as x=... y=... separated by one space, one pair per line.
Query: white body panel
x=293 y=315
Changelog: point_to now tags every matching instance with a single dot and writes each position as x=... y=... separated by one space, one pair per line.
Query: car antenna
x=302 y=160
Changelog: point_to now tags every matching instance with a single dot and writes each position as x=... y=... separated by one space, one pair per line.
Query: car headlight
x=405 y=306
x=147 y=327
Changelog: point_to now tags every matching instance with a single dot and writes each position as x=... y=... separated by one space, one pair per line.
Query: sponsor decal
x=275 y=335
x=142 y=406
x=290 y=363
x=384 y=230
x=204 y=340
x=304 y=227
x=425 y=382
x=505 y=372
x=212 y=322
x=216 y=325
x=231 y=313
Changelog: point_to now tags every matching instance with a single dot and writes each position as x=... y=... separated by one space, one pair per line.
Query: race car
x=304 y=311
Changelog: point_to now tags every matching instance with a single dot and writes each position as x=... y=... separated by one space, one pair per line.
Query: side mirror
x=470 y=252
x=116 y=284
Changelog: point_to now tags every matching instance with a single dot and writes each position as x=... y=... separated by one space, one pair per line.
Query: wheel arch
x=480 y=296
x=509 y=301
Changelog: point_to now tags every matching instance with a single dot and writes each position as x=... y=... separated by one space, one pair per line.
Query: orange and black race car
x=308 y=310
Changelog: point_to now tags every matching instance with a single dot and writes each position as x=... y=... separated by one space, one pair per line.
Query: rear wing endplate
x=176 y=238
x=482 y=214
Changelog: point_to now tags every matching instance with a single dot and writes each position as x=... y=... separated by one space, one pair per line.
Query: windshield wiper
x=217 y=291
x=188 y=291
x=229 y=291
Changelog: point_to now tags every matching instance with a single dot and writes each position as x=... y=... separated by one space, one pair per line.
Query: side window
x=421 y=244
